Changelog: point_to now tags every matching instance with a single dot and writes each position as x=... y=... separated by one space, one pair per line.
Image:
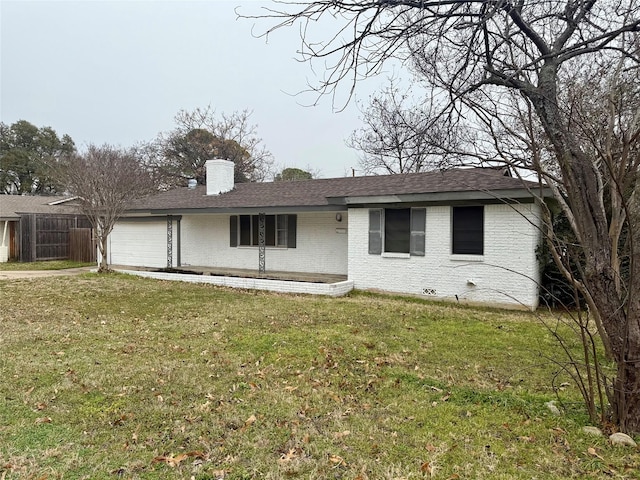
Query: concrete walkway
x=11 y=274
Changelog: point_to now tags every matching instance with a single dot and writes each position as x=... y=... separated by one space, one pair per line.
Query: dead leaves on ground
x=174 y=462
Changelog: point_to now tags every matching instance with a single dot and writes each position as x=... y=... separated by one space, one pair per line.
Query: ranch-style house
x=467 y=235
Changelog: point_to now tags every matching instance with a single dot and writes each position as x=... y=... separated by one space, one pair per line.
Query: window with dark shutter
x=280 y=230
x=397 y=230
x=403 y=228
x=245 y=230
x=467 y=230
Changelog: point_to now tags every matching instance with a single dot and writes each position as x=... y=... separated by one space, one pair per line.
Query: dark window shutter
x=233 y=231
x=291 y=230
x=375 y=232
x=418 y=227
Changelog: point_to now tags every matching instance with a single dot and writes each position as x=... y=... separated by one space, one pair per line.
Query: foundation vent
x=429 y=291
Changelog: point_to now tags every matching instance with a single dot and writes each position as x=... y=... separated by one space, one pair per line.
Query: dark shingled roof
x=318 y=192
x=11 y=206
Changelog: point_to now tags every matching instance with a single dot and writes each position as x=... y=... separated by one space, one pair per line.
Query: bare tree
x=201 y=135
x=491 y=56
x=106 y=180
x=401 y=135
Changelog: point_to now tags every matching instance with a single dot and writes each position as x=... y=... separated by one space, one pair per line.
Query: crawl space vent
x=429 y=291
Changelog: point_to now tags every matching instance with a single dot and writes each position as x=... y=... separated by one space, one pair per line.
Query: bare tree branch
x=105 y=180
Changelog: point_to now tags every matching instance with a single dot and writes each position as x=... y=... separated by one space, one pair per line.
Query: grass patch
x=122 y=377
x=48 y=265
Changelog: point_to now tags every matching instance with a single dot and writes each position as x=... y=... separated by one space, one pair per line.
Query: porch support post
x=261 y=242
x=4 y=233
x=178 y=241
x=4 y=249
x=169 y=241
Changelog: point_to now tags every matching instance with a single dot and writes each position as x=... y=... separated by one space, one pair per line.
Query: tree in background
x=401 y=136
x=26 y=156
x=106 y=181
x=201 y=135
x=507 y=65
x=291 y=173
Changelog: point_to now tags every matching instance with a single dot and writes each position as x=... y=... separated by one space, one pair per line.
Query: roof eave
x=237 y=210
x=504 y=195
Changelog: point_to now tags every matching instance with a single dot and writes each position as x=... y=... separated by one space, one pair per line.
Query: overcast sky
x=117 y=72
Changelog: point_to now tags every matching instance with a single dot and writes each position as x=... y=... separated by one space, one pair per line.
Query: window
x=468 y=231
x=280 y=230
x=397 y=235
x=402 y=230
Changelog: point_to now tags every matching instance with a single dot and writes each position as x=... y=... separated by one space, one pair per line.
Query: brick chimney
x=219 y=176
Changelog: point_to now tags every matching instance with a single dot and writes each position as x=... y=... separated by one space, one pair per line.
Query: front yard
x=121 y=377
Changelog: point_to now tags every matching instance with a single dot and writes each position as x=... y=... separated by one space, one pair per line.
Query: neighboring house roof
x=11 y=206
x=339 y=193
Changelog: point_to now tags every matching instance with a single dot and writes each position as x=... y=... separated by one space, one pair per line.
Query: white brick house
x=465 y=235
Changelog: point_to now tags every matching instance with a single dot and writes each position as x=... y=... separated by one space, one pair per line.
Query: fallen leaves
x=250 y=421
x=175 y=461
x=337 y=460
x=291 y=455
x=592 y=451
x=171 y=460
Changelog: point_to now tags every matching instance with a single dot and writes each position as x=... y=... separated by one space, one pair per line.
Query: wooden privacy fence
x=49 y=237
x=82 y=248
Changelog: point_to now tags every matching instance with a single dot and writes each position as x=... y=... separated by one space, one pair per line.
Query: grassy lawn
x=121 y=377
x=49 y=265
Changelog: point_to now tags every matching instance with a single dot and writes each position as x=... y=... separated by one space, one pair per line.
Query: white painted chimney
x=219 y=176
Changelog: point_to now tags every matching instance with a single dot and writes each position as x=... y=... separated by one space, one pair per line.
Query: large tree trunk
x=628 y=402
x=618 y=309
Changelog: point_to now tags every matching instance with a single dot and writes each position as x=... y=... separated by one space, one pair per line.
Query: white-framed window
x=397 y=230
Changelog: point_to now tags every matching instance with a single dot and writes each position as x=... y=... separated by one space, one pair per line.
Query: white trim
x=466 y=258
x=64 y=200
x=395 y=255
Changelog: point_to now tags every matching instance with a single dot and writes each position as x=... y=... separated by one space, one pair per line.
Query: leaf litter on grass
x=167 y=380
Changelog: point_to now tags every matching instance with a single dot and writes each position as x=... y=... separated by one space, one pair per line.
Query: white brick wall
x=142 y=244
x=507 y=273
x=319 y=248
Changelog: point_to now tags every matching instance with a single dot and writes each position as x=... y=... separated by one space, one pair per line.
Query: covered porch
x=277 y=281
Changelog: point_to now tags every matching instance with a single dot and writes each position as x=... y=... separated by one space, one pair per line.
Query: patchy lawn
x=121 y=377
x=49 y=265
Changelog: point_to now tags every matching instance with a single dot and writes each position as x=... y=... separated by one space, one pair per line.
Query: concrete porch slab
x=284 y=282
